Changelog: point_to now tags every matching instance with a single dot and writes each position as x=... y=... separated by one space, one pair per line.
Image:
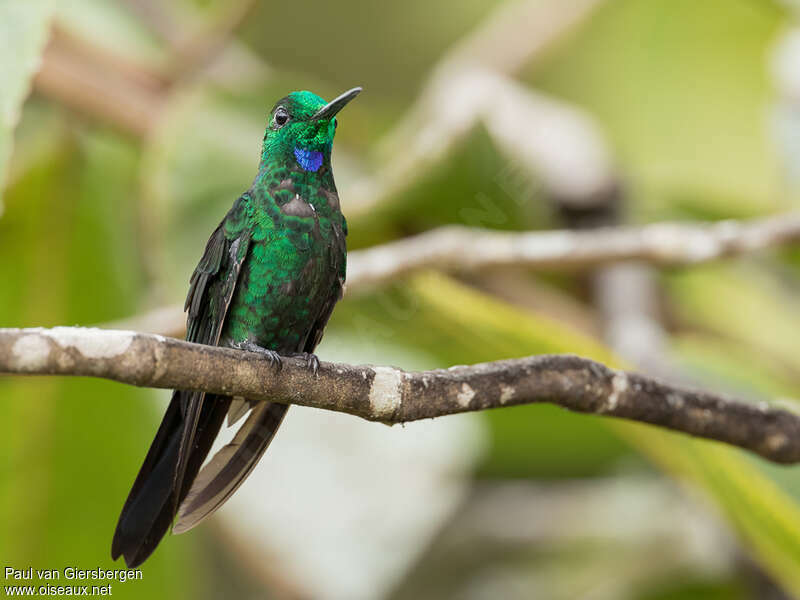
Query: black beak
x=335 y=105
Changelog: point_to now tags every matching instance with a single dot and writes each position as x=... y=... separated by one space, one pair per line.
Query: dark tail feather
x=151 y=504
x=230 y=466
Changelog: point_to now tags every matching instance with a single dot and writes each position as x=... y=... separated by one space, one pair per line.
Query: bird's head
x=301 y=129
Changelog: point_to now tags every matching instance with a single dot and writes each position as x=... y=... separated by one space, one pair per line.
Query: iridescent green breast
x=295 y=263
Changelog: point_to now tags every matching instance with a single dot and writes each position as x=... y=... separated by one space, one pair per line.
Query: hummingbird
x=267 y=282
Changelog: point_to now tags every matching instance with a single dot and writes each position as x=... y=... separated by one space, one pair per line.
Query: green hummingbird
x=267 y=282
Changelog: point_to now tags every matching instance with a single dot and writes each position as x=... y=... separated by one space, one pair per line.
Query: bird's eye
x=281 y=117
x=335 y=123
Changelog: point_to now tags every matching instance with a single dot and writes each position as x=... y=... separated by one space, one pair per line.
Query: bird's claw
x=273 y=357
x=312 y=361
x=274 y=360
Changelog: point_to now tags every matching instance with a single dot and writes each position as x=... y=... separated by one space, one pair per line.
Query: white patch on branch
x=506 y=393
x=675 y=401
x=465 y=395
x=92 y=342
x=31 y=352
x=386 y=392
x=619 y=385
x=777 y=441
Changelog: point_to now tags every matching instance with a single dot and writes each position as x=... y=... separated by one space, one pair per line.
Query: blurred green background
x=143 y=123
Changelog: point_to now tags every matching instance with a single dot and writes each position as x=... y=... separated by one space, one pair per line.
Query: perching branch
x=392 y=395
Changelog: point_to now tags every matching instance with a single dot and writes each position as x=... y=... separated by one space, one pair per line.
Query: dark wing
x=338 y=266
x=193 y=419
x=207 y=305
x=223 y=475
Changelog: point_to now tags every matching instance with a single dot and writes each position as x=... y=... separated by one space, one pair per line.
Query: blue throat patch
x=310 y=160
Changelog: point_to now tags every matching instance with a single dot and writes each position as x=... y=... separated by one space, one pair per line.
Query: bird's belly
x=280 y=294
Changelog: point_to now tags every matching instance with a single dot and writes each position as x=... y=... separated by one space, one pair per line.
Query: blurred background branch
x=465 y=249
x=666 y=244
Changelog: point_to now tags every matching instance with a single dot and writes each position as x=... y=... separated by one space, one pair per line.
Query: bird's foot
x=273 y=357
x=312 y=361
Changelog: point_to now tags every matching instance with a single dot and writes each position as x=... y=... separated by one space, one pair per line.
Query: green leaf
x=23 y=33
x=760 y=308
x=71 y=446
x=765 y=517
x=681 y=89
